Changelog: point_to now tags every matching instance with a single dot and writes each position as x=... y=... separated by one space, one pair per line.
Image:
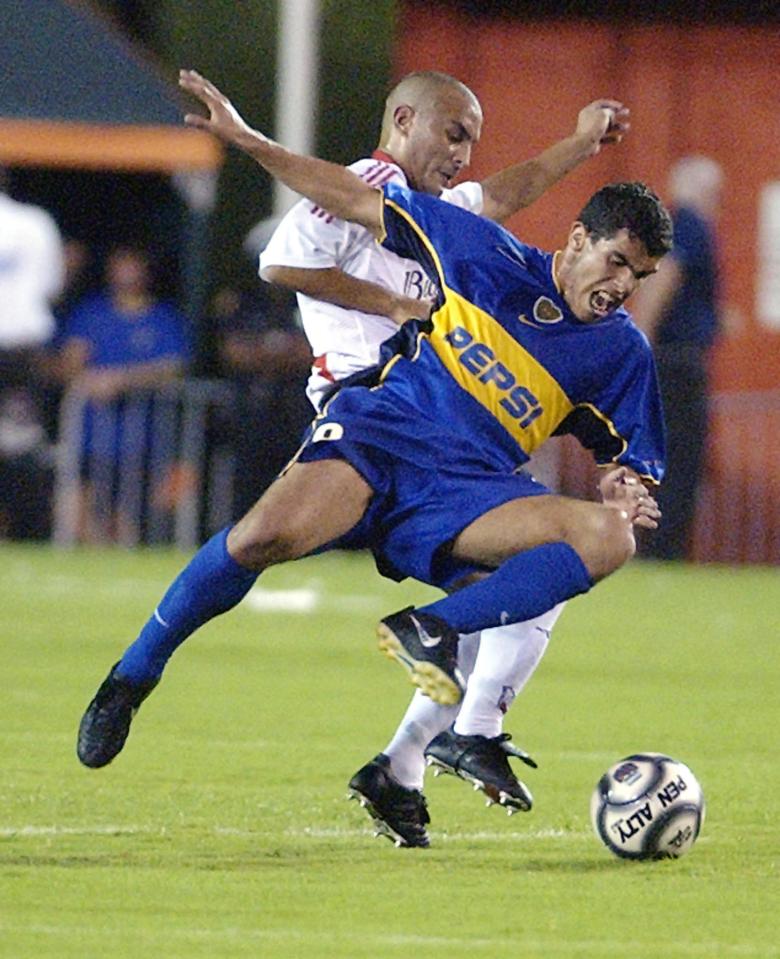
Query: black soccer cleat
x=105 y=724
x=399 y=813
x=428 y=648
x=483 y=762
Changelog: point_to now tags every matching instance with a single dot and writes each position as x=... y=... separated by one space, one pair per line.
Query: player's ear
x=578 y=237
x=403 y=116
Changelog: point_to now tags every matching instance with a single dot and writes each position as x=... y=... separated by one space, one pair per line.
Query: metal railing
x=154 y=466
x=158 y=467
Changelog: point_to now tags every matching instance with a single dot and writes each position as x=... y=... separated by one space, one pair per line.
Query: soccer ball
x=647 y=806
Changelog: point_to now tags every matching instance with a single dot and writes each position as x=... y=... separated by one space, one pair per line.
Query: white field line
x=13 y=832
x=480 y=836
x=312 y=832
x=282 y=600
x=551 y=947
x=308 y=600
x=303 y=599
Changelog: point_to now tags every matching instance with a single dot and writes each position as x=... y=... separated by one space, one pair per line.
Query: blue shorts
x=429 y=484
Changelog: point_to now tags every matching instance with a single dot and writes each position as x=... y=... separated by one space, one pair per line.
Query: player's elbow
x=278 y=275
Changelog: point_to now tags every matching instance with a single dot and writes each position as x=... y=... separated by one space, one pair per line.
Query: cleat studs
x=438 y=771
x=363 y=802
x=510 y=810
x=490 y=802
x=476 y=787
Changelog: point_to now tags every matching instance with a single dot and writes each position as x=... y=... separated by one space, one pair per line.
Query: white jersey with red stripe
x=345 y=341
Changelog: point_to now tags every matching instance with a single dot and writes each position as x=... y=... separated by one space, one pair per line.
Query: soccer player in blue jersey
x=352 y=294
x=424 y=467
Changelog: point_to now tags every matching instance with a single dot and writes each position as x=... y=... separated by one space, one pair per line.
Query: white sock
x=423 y=720
x=507 y=658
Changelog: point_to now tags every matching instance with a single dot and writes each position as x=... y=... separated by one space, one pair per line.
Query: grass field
x=222 y=830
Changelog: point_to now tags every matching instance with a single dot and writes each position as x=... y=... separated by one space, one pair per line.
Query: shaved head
x=422 y=90
x=430 y=124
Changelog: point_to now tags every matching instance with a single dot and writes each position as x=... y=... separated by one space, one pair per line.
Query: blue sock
x=210 y=584
x=523 y=587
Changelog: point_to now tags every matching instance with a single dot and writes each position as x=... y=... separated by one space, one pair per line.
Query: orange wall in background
x=713 y=90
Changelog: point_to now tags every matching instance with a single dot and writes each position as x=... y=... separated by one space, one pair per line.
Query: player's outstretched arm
x=330 y=186
x=599 y=123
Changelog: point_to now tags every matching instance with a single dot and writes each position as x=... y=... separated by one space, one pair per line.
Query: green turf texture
x=222 y=830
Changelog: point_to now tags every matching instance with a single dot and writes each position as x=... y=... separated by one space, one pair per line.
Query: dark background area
x=692 y=11
x=235 y=45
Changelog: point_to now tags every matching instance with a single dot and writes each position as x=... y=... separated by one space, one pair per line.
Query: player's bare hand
x=621 y=489
x=407 y=308
x=603 y=121
x=224 y=121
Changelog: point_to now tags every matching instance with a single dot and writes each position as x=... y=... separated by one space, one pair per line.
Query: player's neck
x=556 y=270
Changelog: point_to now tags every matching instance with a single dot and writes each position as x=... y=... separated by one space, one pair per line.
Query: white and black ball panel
x=673 y=833
x=647 y=806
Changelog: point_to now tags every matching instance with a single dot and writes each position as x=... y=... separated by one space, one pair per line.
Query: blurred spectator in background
x=31 y=276
x=77 y=259
x=679 y=310
x=265 y=354
x=114 y=344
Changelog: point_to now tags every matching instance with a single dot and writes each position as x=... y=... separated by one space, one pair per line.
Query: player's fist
x=603 y=121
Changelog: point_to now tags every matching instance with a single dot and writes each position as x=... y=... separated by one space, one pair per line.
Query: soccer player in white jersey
x=353 y=294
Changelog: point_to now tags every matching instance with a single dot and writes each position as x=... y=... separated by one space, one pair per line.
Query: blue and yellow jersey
x=506 y=362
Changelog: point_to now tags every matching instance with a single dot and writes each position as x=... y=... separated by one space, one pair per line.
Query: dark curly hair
x=633 y=207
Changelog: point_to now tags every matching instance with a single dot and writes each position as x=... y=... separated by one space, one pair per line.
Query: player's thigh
x=307 y=506
x=522 y=524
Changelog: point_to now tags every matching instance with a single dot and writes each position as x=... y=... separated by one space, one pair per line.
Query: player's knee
x=258 y=543
x=613 y=537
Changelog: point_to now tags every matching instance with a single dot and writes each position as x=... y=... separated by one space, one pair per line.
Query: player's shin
x=507 y=658
x=211 y=583
x=522 y=588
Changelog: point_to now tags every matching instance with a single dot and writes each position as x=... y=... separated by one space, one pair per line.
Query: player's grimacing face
x=604 y=272
x=439 y=141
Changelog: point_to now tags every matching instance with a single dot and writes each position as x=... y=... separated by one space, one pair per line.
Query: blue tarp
x=64 y=61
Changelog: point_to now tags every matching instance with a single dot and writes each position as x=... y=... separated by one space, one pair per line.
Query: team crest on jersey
x=545 y=311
